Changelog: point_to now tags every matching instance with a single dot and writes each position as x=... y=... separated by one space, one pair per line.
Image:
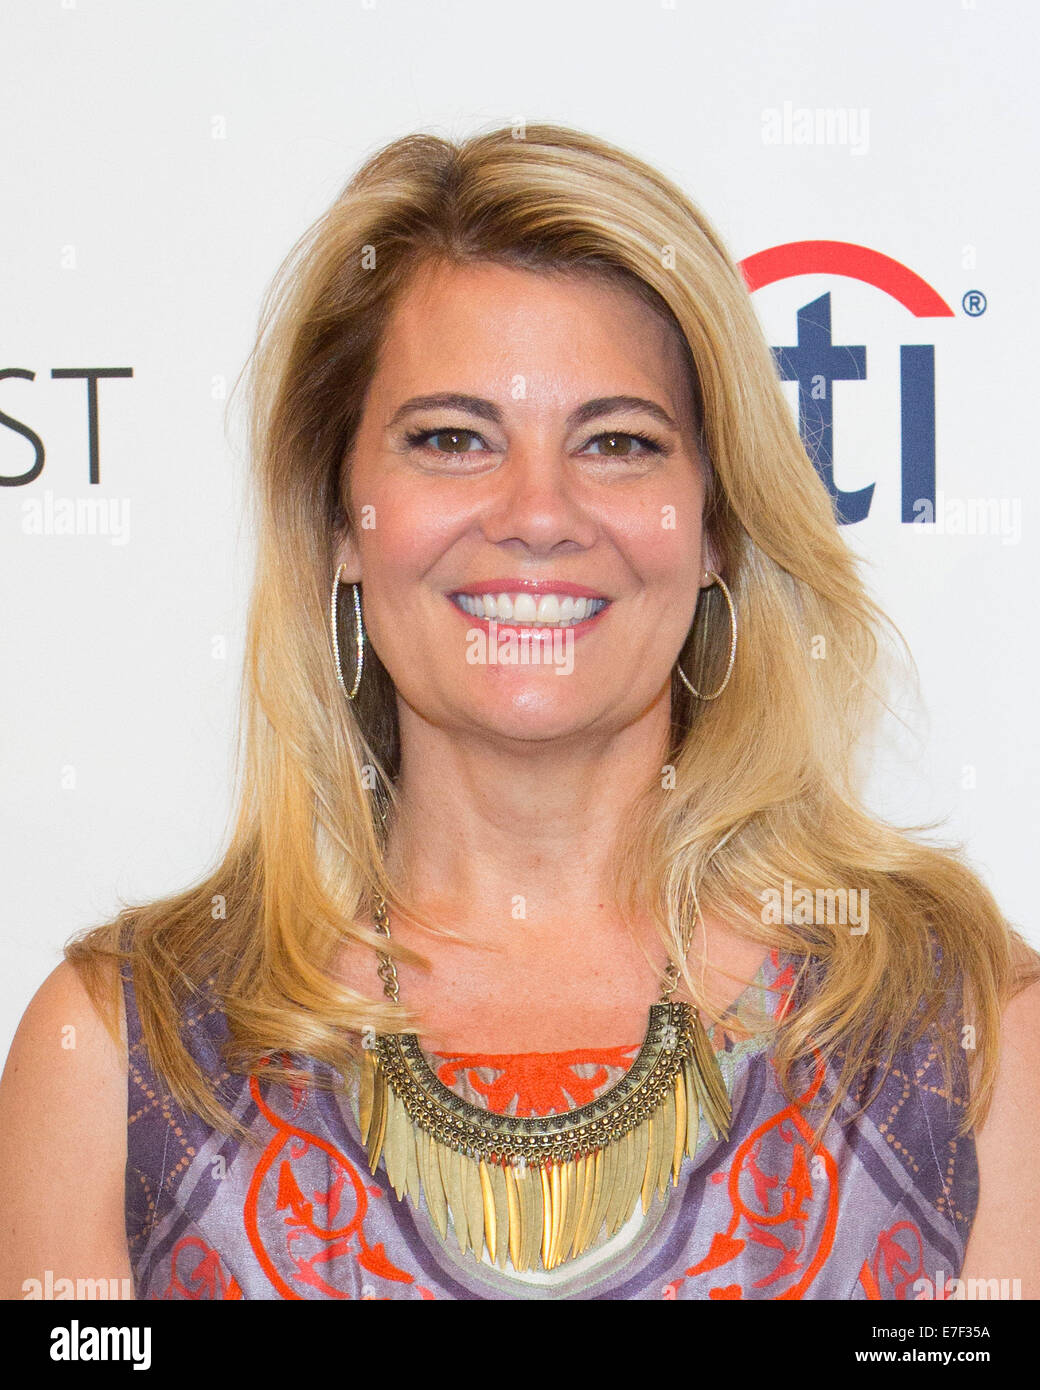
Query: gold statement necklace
x=539 y=1189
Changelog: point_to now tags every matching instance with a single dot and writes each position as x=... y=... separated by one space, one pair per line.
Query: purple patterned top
x=882 y=1209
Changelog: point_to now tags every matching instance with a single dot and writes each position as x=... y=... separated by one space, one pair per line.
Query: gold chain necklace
x=539 y=1188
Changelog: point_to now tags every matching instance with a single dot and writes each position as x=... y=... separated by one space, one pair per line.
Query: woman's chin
x=531 y=714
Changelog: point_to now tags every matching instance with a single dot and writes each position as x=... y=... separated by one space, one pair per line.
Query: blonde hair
x=765 y=777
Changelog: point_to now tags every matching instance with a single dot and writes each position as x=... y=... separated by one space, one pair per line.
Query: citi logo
x=815 y=362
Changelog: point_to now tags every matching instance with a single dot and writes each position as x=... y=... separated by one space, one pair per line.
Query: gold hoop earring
x=359 y=636
x=710 y=574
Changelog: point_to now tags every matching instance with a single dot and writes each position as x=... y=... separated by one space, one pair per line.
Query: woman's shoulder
x=74 y=1027
x=63 y=1130
x=1005 y=1240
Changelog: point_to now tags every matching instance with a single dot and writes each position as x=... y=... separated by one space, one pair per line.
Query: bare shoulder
x=1005 y=1238
x=63 y=1139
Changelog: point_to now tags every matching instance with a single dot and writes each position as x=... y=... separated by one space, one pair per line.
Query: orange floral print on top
x=535 y=1083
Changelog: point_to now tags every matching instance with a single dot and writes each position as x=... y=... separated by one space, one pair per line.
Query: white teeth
x=542 y=610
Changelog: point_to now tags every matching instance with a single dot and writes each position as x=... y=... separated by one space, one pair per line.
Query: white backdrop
x=159 y=160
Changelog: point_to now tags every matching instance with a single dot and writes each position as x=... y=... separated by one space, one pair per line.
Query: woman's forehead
x=504 y=321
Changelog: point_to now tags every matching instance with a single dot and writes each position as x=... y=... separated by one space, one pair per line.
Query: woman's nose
x=538 y=500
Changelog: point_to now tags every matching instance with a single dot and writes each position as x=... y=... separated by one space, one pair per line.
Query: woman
x=554 y=954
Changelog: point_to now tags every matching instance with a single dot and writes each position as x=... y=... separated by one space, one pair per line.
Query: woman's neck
x=509 y=844
x=506 y=830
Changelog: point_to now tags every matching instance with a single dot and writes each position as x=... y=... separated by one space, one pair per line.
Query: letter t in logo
x=815 y=363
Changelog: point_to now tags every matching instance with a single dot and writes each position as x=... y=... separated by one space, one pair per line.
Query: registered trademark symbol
x=974 y=303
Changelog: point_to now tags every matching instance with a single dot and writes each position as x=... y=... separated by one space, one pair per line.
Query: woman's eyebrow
x=487 y=410
x=449 y=400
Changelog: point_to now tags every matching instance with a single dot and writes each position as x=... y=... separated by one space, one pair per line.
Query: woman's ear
x=344 y=529
x=345 y=552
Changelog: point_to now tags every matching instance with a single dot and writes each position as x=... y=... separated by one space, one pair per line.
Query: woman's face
x=526 y=495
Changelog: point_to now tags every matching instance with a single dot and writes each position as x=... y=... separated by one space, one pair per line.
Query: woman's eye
x=621 y=445
x=456 y=441
x=614 y=444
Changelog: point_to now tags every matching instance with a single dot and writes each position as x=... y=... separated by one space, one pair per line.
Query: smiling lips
x=530 y=603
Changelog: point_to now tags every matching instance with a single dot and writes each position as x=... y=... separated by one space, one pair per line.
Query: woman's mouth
x=530 y=610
